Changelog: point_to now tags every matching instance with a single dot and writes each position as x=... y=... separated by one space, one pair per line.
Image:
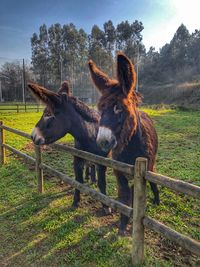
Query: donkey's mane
x=110 y=97
x=89 y=114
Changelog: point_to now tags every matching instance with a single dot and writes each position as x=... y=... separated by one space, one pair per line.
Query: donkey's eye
x=117 y=109
x=48 y=120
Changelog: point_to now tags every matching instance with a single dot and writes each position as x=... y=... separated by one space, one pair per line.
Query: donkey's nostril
x=106 y=143
x=39 y=141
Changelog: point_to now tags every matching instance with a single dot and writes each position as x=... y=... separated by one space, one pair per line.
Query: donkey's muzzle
x=105 y=139
x=37 y=137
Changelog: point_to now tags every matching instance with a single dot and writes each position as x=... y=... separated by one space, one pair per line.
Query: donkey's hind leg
x=154 y=188
x=78 y=170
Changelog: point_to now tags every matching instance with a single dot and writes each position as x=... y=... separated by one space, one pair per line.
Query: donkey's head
x=117 y=104
x=54 y=122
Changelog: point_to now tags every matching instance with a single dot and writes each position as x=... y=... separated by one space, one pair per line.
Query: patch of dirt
x=163 y=248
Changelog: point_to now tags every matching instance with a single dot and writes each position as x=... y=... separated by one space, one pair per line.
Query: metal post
x=137 y=70
x=61 y=69
x=1 y=97
x=23 y=83
x=2 y=148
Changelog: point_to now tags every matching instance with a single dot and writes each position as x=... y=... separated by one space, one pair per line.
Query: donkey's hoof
x=156 y=201
x=74 y=206
x=107 y=210
x=121 y=232
x=61 y=182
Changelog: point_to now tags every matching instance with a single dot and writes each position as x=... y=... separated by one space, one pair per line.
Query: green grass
x=42 y=230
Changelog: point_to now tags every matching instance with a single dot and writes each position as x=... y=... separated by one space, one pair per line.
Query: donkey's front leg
x=124 y=195
x=101 y=171
x=93 y=173
x=78 y=170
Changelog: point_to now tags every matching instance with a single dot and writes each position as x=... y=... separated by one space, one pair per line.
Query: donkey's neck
x=82 y=129
x=135 y=147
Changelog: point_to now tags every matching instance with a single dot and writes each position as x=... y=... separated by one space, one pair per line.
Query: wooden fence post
x=39 y=171
x=2 y=149
x=139 y=206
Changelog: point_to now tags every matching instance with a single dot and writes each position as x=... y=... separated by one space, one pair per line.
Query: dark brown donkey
x=66 y=114
x=123 y=128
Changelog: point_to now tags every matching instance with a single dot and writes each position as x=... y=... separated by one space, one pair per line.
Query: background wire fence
x=15 y=73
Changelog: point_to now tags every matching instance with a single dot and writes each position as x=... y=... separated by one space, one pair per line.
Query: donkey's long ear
x=64 y=89
x=126 y=74
x=47 y=97
x=100 y=79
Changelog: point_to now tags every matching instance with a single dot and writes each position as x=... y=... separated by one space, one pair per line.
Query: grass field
x=19 y=107
x=42 y=230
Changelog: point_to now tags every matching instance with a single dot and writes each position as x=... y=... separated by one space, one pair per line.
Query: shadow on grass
x=28 y=207
x=73 y=243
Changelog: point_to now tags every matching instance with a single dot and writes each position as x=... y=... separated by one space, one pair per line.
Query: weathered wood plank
x=114 y=204
x=23 y=134
x=177 y=185
x=20 y=154
x=182 y=240
x=139 y=207
x=120 y=166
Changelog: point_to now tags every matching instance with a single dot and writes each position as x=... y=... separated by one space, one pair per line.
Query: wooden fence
x=140 y=175
x=25 y=107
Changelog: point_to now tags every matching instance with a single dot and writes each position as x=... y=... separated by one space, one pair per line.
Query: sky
x=19 y=19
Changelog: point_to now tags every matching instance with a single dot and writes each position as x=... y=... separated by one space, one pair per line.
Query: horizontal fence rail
x=20 y=154
x=97 y=195
x=138 y=172
x=177 y=185
x=15 y=131
x=83 y=188
x=182 y=240
x=119 y=166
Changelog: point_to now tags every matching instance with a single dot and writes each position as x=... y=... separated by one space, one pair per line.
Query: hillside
x=186 y=94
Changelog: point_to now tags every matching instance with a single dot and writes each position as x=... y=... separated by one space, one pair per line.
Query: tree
x=129 y=38
x=40 y=54
x=193 y=51
x=179 y=48
x=110 y=36
x=55 y=46
x=97 y=48
x=11 y=77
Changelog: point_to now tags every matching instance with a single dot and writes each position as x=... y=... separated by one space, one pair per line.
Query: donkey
x=90 y=171
x=123 y=128
x=66 y=114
